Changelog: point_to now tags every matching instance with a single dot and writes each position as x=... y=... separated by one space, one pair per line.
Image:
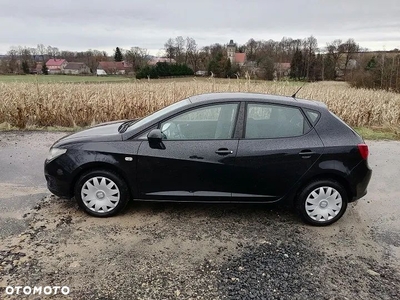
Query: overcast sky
x=105 y=24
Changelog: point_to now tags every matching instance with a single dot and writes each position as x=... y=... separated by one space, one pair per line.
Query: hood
x=101 y=132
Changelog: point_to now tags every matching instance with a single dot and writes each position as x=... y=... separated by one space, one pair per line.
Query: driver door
x=197 y=157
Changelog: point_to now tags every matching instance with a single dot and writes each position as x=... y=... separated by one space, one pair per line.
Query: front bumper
x=58 y=180
x=57 y=187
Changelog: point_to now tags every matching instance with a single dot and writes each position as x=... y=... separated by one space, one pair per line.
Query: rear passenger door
x=277 y=149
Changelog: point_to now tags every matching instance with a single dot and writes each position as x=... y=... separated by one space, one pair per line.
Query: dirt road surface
x=197 y=251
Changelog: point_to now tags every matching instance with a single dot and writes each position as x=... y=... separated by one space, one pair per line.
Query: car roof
x=256 y=97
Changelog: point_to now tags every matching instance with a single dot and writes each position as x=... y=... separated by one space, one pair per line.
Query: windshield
x=149 y=119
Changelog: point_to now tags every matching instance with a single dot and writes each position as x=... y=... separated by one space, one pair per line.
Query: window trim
x=274 y=104
x=235 y=120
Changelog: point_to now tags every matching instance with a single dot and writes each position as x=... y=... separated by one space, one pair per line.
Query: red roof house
x=240 y=58
x=55 y=65
x=112 y=68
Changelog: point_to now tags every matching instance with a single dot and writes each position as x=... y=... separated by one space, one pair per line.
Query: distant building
x=231 y=50
x=201 y=73
x=37 y=69
x=154 y=60
x=56 y=66
x=235 y=57
x=281 y=70
x=76 y=68
x=112 y=68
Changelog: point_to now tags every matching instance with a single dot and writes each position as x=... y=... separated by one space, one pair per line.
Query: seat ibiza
x=217 y=148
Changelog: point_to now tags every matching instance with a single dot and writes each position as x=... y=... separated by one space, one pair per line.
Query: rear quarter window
x=312 y=115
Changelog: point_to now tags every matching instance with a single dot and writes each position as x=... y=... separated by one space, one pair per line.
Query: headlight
x=55 y=152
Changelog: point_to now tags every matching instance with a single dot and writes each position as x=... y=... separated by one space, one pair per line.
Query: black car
x=221 y=147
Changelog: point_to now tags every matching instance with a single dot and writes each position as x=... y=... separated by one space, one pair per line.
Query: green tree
x=228 y=68
x=268 y=68
x=219 y=66
x=45 y=70
x=118 y=55
x=25 y=67
x=372 y=63
x=164 y=69
x=329 y=66
x=297 y=65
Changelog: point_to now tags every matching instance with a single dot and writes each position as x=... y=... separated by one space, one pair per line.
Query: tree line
x=337 y=60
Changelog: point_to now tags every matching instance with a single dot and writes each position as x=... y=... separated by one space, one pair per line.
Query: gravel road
x=193 y=251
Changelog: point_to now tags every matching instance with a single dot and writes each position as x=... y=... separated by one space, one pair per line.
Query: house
x=201 y=73
x=240 y=58
x=37 y=69
x=235 y=57
x=76 y=68
x=281 y=70
x=56 y=66
x=112 y=68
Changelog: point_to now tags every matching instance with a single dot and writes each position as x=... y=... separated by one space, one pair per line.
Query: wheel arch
x=100 y=166
x=325 y=176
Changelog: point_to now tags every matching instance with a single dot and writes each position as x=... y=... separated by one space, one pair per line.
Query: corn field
x=30 y=105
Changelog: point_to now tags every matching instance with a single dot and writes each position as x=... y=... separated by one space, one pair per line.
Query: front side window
x=210 y=122
x=274 y=121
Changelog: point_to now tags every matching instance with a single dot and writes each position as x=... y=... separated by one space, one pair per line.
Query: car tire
x=101 y=193
x=322 y=202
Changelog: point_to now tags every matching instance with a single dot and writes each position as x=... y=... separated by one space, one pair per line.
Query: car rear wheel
x=322 y=202
x=101 y=193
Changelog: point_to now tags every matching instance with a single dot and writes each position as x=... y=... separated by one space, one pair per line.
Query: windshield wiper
x=124 y=126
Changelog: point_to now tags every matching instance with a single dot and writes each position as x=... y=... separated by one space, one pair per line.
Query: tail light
x=363 y=149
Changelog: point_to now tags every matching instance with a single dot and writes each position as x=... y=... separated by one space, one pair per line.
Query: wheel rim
x=323 y=204
x=100 y=194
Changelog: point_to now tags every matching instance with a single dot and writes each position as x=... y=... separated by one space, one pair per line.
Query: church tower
x=231 y=49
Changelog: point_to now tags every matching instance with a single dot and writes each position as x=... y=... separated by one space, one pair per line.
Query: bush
x=164 y=69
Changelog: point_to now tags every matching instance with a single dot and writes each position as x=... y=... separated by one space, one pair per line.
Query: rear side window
x=312 y=115
x=274 y=121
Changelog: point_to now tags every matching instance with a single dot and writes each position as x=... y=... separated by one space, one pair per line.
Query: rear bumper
x=359 y=179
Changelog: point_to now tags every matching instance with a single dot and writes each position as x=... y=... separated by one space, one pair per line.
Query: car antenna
x=294 y=95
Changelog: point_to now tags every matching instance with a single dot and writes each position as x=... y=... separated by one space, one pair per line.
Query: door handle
x=306 y=153
x=223 y=151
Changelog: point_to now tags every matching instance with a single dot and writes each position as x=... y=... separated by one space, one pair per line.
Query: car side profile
x=217 y=148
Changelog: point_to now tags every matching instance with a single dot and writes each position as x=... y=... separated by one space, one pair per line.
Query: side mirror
x=155 y=139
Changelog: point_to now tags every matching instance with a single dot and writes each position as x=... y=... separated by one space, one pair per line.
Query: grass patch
x=7 y=127
x=378 y=133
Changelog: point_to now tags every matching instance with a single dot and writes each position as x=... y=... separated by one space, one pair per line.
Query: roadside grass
x=376 y=133
x=7 y=127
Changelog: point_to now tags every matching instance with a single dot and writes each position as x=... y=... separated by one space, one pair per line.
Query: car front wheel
x=101 y=193
x=322 y=202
